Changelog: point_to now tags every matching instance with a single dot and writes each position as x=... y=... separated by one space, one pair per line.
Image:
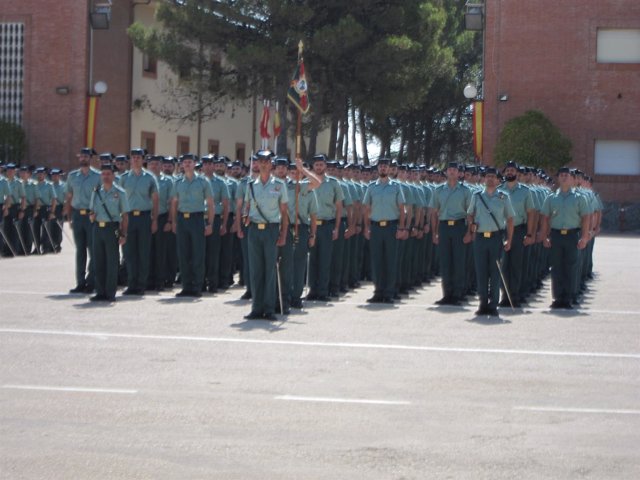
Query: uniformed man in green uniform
x=142 y=193
x=268 y=222
x=384 y=227
x=214 y=241
x=109 y=207
x=58 y=188
x=450 y=204
x=45 y=212
x=168 y=169
x=330 y=198
x=16 y=210
x=524 y=232
x=26 y=224
x=307 y=214
x=225 y=260
x=159 y=240
x=565 y=227
x=80 y=185
x=189 y=195
x=490 y=225
x=5 y=205
x=240 y=228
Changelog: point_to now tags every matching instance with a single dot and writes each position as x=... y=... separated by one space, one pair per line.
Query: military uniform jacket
x=191 y=194
x=328 y=194
x=82 y=186
x=499 y=204
x=385 y=199
x=113 y=204
x=17 y=190
x=269 y=196
x=5 y=191
x=139 y=189
x=30 y=191
x=220 y=190
x=451 y=203
x=565 y=210
x=521 y=200
x=307 y=202
x=45 y=193
x=165 y=185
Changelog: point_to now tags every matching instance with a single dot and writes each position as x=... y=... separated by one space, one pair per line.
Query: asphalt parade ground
x=168 y=388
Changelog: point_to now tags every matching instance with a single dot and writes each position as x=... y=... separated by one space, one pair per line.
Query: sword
x=506 y=287
x=16 y=224
x=65 y=233
x=33 y=235
x=6 y=240
x=46 y=229
x=279 y=286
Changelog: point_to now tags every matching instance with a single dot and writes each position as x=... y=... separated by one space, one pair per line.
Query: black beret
x=189 y=156
x=87 y=151
x=281 y=161
x=491 y=171
x=209 y=158
x=55 y=171
x=383 y=161
x=168 y=159
x=564 y=170
x=138 y=151
x=452 y=165
x=156 y=158
x=264 y=154
x=108 y=166
x=107 y=156
x=511 y=164
x=122 y=158
x=10 y=166
x=319 y=158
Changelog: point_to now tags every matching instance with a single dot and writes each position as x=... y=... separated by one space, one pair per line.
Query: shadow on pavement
x=249 y=325
x=565 y=313
x=172 y=300
x=67 y=296
x=488 y=320
x=94 y=305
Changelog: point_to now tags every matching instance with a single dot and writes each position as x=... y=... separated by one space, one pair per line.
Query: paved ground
x=164 y=388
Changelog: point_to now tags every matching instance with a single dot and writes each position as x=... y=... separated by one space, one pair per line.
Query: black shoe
x=129 y=291
x=343 y=290
x=482 y=310
x=444 y=300
x=98 y=298
x=246 y=296
x=286 y=310
x=567 y=305
x=323 y=298
x=181 y=293
x=254 y=316
x=454 y=301
x=556 y=304
x=212 y=289
x=493 y=311
x=296 y=303
x=333 y=294
x=78 y=289
x=269 y=317
x=387 y=300
x=375 y=299
x=504 y=303
x=311 y=296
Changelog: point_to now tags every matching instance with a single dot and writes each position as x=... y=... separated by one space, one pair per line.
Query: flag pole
x=298 y=151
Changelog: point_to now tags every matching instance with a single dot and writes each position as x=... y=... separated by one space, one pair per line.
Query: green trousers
x=212 y=254
x=451 y=253
x=263 y=253
x=564 y=261
x=83 y=238
x=486 y=252
x=384 y=258
x=285 y=261
x=337 y=259
x=190 y=240
x=320 y=261
x=513 y=265
x=105 y=258
x=299 y=271
x=158 y=266
x=136 y=250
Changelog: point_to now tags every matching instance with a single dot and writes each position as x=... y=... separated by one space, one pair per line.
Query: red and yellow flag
x=298 y=89
x=277 y=126
x=264 y=123
x=478 y=124
x=92 y=116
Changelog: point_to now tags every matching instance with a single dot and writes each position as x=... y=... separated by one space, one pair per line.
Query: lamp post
x=99 y=89
x=474 y=21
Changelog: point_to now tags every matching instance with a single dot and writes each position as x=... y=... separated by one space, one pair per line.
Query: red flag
x=264 y=123
x=298 y=89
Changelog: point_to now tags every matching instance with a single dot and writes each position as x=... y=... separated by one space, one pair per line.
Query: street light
x=470 y=91
x=473 y=16
x=100 y=17
x=100 y=87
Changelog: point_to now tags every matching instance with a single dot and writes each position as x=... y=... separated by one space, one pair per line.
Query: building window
x=240 y=152
x=617 y=157
x=148 y=141
x=149 y=66
x=618 y=45
x=214 y=147
x=11 y=72
x=183 y=145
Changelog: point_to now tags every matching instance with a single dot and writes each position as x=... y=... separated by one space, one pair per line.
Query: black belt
x=451 y=223
x=188 y=215
x=263 y=226
x=321 y=222
x=140 y=213
x=107 y=224
x=565 y=231
x=488 y=234
x=384 y=223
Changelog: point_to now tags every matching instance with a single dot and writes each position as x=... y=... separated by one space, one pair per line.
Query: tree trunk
x=403 y=139
x=354 y=144
x=363 y=137
x=333 y=135
x=341 y=135
x=283 y=105
x=345 y=121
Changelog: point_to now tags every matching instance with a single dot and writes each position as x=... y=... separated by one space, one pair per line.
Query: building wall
x=542 y=54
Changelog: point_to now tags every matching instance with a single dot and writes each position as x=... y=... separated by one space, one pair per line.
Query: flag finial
x=300 y=48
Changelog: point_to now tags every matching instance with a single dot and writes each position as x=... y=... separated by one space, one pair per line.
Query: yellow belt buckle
x=451 y=223
x=186 y=215
x=136 y=213
x=564 y=232
x=383 y=223
x=262 y=226
x=83 y=212
x=487 y=234
x=102 y=224
x=318 y=222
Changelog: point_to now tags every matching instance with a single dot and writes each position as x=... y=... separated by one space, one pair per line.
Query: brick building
x=579 y=63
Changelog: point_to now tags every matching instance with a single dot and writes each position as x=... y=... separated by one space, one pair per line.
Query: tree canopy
x=400 y=64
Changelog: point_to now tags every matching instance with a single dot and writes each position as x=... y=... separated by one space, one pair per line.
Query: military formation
x=149 y=222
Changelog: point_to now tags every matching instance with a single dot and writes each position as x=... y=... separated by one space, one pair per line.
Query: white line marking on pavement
x=377 y=346
x=294 y=398
x=579 y=410
x=70 y=389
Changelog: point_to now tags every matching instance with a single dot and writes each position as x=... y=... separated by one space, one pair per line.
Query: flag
x=478 y=125
x=297 y=92
x=264 y=123
x=277 y=126
x=92 y=116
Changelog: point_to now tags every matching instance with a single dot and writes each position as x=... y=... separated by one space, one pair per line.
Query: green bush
x=531 y=139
